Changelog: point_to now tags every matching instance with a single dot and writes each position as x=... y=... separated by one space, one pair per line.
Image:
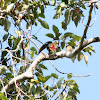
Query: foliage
x=13 y=12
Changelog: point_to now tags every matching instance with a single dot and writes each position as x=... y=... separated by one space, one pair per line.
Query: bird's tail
x=42 y=48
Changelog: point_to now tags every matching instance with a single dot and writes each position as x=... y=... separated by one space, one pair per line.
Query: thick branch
x=29 y=73
x=87 y=25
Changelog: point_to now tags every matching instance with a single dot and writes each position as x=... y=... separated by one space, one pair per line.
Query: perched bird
x=51 y=47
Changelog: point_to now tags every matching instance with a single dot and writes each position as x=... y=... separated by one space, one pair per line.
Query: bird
x=51 y=47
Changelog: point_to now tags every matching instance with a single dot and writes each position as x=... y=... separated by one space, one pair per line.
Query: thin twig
x=93 y=22
x=68 y=73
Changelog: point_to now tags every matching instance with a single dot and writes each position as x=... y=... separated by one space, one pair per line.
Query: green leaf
x=76 y=17
x=67 y=16
x=66 y=1
x=44 y=79
x=80 y=56
x=26 y=1
x=50 y=35
x=27 y=44
x=47 y=77
x=55 y=29
x=34 y=49
x=5 y=37
x=73 y=59
x=2 y=97
x=7 y=25
x=38 y=90
x=63 y=4
x=91 y=48
x=44 y=24
x=69 y=34
x=42 y=9
x=62 y=37
x=32 y=54
x=54 y=75
x=62 y=44
x=78 y=38
x=82 y=5
x=1 y=4
x=10 y=42
x=97 y=5
x=4 y=53
x=33 y=80
x=64 y=25
x=69 y=98
x=42 y=66
x=69 y=75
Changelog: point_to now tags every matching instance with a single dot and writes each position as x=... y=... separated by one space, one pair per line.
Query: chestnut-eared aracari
x=51 y=47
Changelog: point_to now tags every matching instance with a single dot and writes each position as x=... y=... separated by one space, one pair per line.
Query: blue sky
x=89 y=86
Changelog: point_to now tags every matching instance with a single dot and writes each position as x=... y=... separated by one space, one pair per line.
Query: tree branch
x=87 y=25
x=29 y=73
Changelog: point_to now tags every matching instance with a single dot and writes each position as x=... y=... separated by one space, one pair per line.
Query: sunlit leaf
x=10 y=7
x=19 y=33
x=97 y=5
x=44 y=79
x=63 y=4
x=34 y=49
x=32 y=54
x=91 y=48
x=86 y=58
x=33 y=80
x=2 y=97
x=53 y=2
